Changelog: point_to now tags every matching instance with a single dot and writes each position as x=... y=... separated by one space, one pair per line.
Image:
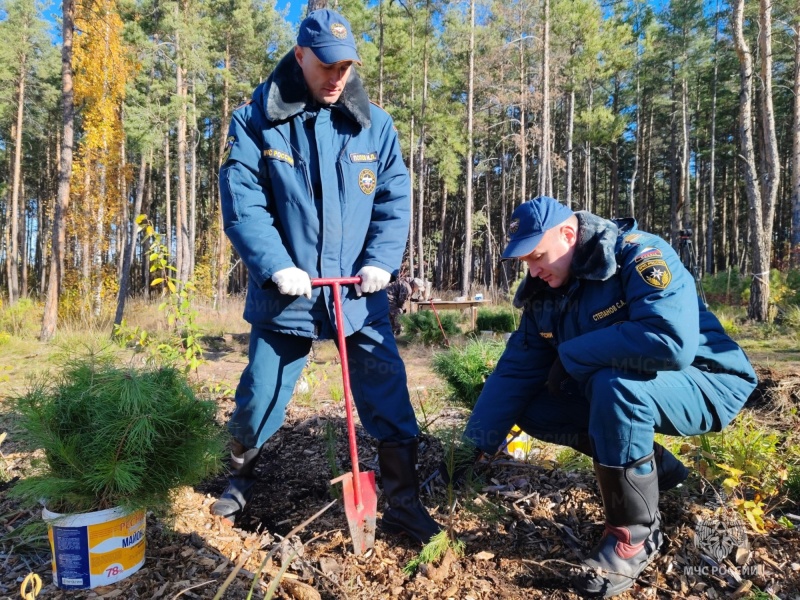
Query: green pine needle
x=115 y=436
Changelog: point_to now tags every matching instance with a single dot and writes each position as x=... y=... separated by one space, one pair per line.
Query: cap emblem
x=513 y=226
x=339 y=31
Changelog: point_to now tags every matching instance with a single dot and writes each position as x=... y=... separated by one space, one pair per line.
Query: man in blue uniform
x=613 y=345
x=313 y=185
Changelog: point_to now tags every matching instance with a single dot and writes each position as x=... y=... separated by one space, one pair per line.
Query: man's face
x=325 y=82
x=552 y=257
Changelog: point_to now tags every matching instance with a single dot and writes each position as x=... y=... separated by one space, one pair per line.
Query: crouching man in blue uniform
x=613 y=345
x=313 y=185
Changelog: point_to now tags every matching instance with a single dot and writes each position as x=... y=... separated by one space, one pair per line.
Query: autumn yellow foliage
x=102 y=66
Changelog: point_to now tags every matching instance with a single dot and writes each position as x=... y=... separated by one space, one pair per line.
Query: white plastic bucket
x=95 y=548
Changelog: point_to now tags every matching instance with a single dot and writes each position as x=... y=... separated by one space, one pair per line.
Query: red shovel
x=360 y=495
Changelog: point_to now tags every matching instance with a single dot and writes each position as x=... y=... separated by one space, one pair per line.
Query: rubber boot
x=405 y=512
x=234 y=499
x=671 y=471
x=632 y=536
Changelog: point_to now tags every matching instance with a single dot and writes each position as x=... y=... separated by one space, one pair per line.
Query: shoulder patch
x=228 y=147
x=655 y=272
x=648 y=252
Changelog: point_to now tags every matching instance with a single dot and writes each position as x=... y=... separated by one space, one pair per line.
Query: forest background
x=684 y=114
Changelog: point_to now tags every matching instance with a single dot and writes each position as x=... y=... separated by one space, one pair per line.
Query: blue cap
x=328 y=35
x=529 y=221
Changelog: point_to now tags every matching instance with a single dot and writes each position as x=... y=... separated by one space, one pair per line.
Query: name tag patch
x=273 y=154
x=655 y=272
x=607 y=312
x=359 y=157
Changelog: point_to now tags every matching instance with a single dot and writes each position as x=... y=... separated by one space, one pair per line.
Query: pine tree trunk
x=192 y=221
x=523 y=145
x=168 y=195
x=50 y=318
x=411 y=168
x=222 y=240
x=421 y=161
x=795 y=235
x=13 y=280
x=130 y=242
x=759 y=287
x=545 y=168
x=181 y=213
x=570 y=147
x=712 y=200
x=466 y=275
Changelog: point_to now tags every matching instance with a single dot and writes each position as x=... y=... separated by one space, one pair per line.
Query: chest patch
x=607 y=312
x=273 y=154
x=548 y=335
x=367 y=181
x=655 y=272
x=359 y=157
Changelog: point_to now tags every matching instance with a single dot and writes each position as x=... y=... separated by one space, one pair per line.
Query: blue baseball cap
x=329 y=36
x=529 y=221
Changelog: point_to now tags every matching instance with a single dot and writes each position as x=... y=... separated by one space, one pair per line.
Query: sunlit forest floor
x=526 y=522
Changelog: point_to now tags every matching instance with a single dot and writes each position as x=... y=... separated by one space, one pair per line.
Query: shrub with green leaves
x=465 y=369
x=115 y=436
x=750 y=464
x=21 y=319
x=726 y=287
x=501 y=320
x=423 y=325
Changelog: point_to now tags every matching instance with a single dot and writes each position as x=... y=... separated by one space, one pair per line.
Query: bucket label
x=97 y=553
x=71 y=553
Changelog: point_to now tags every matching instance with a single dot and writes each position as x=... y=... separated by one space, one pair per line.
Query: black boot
x=632 y=537
x=405 y=512
x=234 y=499
x=671 y=471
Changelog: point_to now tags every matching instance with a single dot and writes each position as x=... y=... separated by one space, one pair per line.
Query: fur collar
x=287 y=94
x=595 y=252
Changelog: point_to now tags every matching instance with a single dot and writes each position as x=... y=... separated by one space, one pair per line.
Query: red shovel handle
x=335 y=282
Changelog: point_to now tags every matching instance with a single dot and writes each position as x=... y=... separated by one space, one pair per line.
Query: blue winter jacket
x=631 y=305
x=358 y=217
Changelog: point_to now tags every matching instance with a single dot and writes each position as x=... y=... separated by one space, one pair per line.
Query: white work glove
x=293 y=282
x=373 y=279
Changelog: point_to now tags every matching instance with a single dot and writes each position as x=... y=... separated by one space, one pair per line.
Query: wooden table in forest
x=472 y=305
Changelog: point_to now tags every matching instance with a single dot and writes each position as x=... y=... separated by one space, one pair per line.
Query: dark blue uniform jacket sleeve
x=662 y=331
x=245 y=199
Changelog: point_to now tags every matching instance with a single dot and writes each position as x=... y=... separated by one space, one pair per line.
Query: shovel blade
x=361 y=519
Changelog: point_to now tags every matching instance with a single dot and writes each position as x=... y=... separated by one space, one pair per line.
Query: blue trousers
x=620 y=411
x=276 y=360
